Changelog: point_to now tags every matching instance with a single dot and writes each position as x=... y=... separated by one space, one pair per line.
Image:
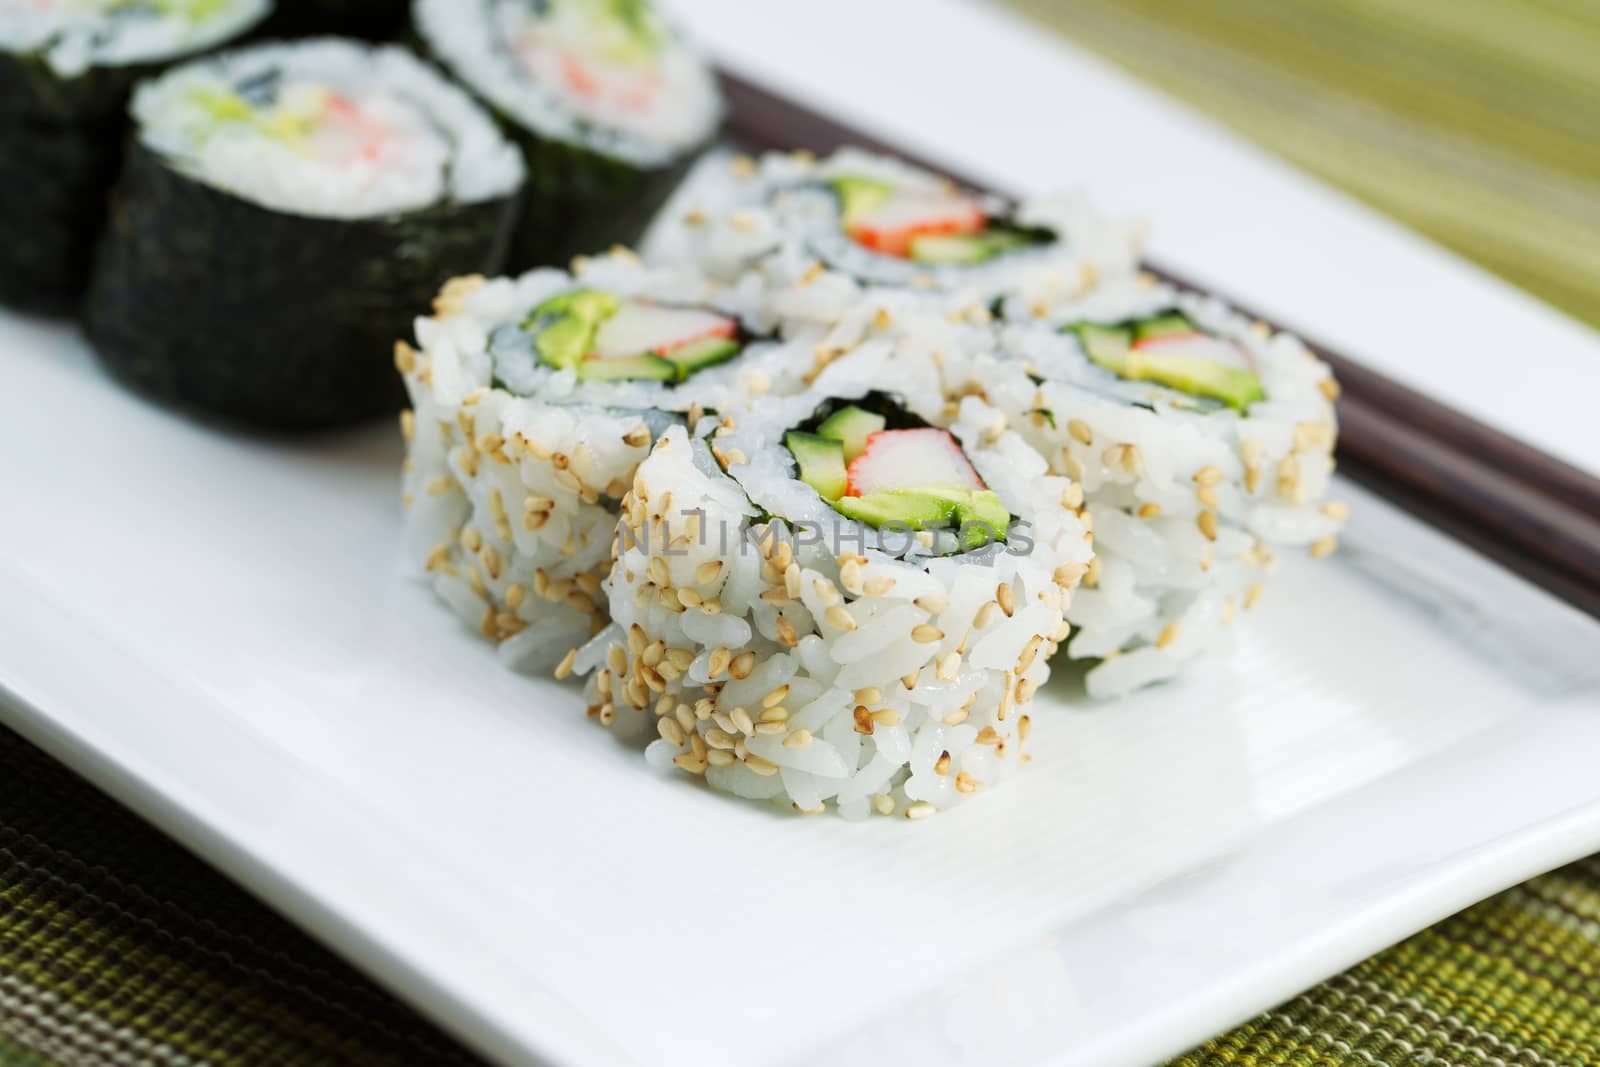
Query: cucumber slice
x=1233 y=386
x=698 y=355
x=1161 y=325
x=917 y=510
x=631 y=368
x=978 y=508
x=859 y=196
x=1108 y=346
x=821 y=463
x=851 y=427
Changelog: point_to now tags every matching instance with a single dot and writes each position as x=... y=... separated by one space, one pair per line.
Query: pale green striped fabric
x=1476 y=122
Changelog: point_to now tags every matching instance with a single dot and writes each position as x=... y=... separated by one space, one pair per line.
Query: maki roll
x=297 y=203
x=65 y=72
x=878 y=222
x=837 y=598
x=534 y=401
x=1201 y=442
x=610 y=104
x=372 y=20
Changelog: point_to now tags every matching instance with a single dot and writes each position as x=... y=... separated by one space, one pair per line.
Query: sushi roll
x=535 y=399
x=283 y=211
x=609 y=102
x=371 y=20
x=1202 y=443
x=880 y=223
x=838 y=598
x=65 y=72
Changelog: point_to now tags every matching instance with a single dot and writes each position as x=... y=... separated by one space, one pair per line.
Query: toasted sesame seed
x=797 y=739
x=764 y=767
x=1168 y=635
x=933 y=603
x=863 y=719
x=987 y=736
x=791 y=580
x=670 y=730
x=948 y=667
x=1207 y=521
x=1330 y=388
x=1207 y=497
x=1252 y=478
x=786 y=632
x=850 y=577
x=883 y=804
x=1229 y=610
x=688 y=597
x=718 y=737
x=691 y=763
x=878 y=585
x=942 y=764
x=838 y=617
x=439 y=485
x=1253 y=597
x=1208 y=475
x=742 y=665
x=707 y=572
x=886 y=717
x=1149 y=511
x=1069 y=575
x=741 y=721
x=1080 y=432
x=1337 y=510
x=965 y=783
x=608 y=714
x=1324 y=547
x=920 y=810
x=720 y=758
x=1006 y=597
x=564 y=668
x=1030 y=652
x=1132 y=459
x=926 y=634
x=1112 y=457
x=405 y=357
x=985 y=615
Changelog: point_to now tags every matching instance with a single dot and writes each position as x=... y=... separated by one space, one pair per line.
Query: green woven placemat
x=117 y=947
x=1477 y=122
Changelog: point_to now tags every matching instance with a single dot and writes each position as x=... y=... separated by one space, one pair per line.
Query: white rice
x=1187 y=507
x=773 y=220
x=512 y=499
x=71 y=36
x=777 y=667
x=471 y=39
x=437 y=145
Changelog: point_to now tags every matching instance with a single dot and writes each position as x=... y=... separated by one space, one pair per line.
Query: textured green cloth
x=117 y=948
x=1476 y=122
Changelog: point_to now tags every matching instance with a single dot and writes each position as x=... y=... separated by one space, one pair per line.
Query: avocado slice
x=1162 y=325
x=635 y=368
x=821 y=463
x=1234 y=386
x=698 y=355
x=964 y=249
x=851 y=427
x=564 y=325
x=859 y=196
x=1108 y=346
x=910 y=507
x=973 y=506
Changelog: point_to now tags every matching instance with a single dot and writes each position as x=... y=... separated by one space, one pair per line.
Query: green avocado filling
x=565 y=326
x=823 y=458
x=1116 y=348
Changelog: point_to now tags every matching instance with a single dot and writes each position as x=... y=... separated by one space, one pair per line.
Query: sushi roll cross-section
x=534 y=400
x=1203 y=445
x=609 y=101
x=66 y=67
x=800 y=615
x=880 y=223
x=283 y=212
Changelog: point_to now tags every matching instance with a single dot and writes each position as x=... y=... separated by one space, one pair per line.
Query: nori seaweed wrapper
x=578 y=200
x=60 y=145
x=208 y=301
x=371 y=20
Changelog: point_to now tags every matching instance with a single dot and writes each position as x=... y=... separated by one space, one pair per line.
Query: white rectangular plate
x=216 y=628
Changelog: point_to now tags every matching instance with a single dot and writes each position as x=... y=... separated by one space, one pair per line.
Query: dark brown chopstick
x=1525 y=509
